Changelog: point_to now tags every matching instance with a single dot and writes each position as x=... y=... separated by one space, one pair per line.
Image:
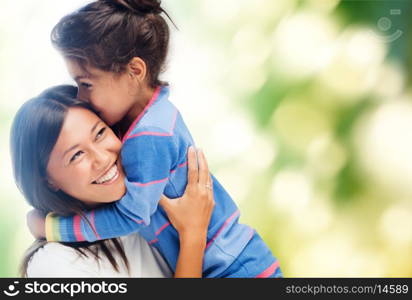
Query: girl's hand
x=191 y=213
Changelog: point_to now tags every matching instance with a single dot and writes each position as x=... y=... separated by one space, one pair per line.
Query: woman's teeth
x=108 y=176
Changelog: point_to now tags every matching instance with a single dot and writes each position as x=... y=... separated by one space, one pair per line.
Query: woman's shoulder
x=57 y=260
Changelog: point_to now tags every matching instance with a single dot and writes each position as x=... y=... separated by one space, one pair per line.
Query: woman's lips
x=109 y=177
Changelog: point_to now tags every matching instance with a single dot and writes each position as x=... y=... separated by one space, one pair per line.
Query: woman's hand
x=35 y=220
x=190 y=215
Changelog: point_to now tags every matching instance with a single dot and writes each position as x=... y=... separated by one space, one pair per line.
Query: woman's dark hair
x=35 y=130
x=107 y=34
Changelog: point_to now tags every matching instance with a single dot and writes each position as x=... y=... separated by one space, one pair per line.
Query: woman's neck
x=142 y=100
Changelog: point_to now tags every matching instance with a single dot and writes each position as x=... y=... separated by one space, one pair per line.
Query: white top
x=57 y=260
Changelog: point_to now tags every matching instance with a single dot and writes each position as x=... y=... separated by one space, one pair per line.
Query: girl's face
x=85 y=161
x=112 y=95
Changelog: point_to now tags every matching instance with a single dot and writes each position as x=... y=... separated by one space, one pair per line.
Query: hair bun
x=141 y=7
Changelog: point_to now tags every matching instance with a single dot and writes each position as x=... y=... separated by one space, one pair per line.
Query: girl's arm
x=190 y=215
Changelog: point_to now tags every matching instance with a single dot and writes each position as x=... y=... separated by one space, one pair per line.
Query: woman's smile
x=108 y=177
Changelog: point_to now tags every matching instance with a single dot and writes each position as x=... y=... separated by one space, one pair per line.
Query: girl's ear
x=137 y=68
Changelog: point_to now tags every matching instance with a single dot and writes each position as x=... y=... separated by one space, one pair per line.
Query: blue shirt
x=154 y=157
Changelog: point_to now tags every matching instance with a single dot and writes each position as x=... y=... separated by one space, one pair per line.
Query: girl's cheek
x=83 y=94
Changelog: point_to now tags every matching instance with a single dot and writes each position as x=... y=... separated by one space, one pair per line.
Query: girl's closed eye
x=76 y=155
x=85 y=85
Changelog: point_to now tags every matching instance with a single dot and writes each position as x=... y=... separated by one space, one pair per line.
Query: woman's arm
x=190 y=215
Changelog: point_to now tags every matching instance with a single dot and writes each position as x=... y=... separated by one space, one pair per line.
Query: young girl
x=115 y=51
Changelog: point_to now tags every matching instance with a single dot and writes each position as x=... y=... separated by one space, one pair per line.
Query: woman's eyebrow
x=70 y=149
x=95 y=125
x=77 y=145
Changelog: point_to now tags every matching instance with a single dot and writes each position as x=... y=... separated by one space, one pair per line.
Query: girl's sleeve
x=148 y=159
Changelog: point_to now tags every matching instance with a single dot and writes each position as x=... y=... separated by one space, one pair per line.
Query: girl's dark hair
x=107 y=34
x=35 y=130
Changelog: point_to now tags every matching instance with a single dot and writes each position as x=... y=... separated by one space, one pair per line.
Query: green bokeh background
x=303 y=109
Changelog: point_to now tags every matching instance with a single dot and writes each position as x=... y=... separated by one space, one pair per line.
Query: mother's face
x=85 y=161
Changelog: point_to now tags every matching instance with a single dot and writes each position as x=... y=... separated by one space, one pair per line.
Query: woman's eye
x=101 y=132
x=76 y=155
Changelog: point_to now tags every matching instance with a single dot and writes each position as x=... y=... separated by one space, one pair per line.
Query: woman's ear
x=52 y=185
x=136 y=68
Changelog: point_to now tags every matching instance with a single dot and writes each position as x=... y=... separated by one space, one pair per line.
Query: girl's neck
x=142 y=100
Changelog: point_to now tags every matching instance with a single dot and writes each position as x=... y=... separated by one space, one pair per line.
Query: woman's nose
x=101 y=160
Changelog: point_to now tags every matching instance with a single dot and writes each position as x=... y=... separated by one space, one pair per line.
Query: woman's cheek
x=117 y=145
x=82 y=173
x=114 y=143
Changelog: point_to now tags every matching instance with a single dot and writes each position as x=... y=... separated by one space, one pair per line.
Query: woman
x=44 y=133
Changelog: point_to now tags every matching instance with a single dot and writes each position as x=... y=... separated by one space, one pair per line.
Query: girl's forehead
x=74 y=66
x=76 y=69
x=80 y=70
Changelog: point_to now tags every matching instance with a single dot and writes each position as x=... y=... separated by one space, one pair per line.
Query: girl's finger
x=193 y=170
x=203 y=169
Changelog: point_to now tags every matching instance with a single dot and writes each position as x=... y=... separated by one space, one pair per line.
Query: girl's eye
x=76 y=155
x=86 y=85
x=100 y=133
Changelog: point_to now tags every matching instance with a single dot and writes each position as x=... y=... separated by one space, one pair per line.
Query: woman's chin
x=110 y=191
x=102 y=201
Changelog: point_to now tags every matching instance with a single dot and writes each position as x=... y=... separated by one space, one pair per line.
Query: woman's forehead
x=79 y=123
x=80 y=117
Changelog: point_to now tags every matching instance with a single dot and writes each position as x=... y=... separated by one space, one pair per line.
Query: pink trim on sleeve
x=162 y=228
x=269 y=271
x=179 y=166
x=153 y=241
x=77 y=229
x=94 y=225
x=152 y=100
x=139 y=221
x=149 y=133
x=170 y=133
x=150 y=183
x=221 y=228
